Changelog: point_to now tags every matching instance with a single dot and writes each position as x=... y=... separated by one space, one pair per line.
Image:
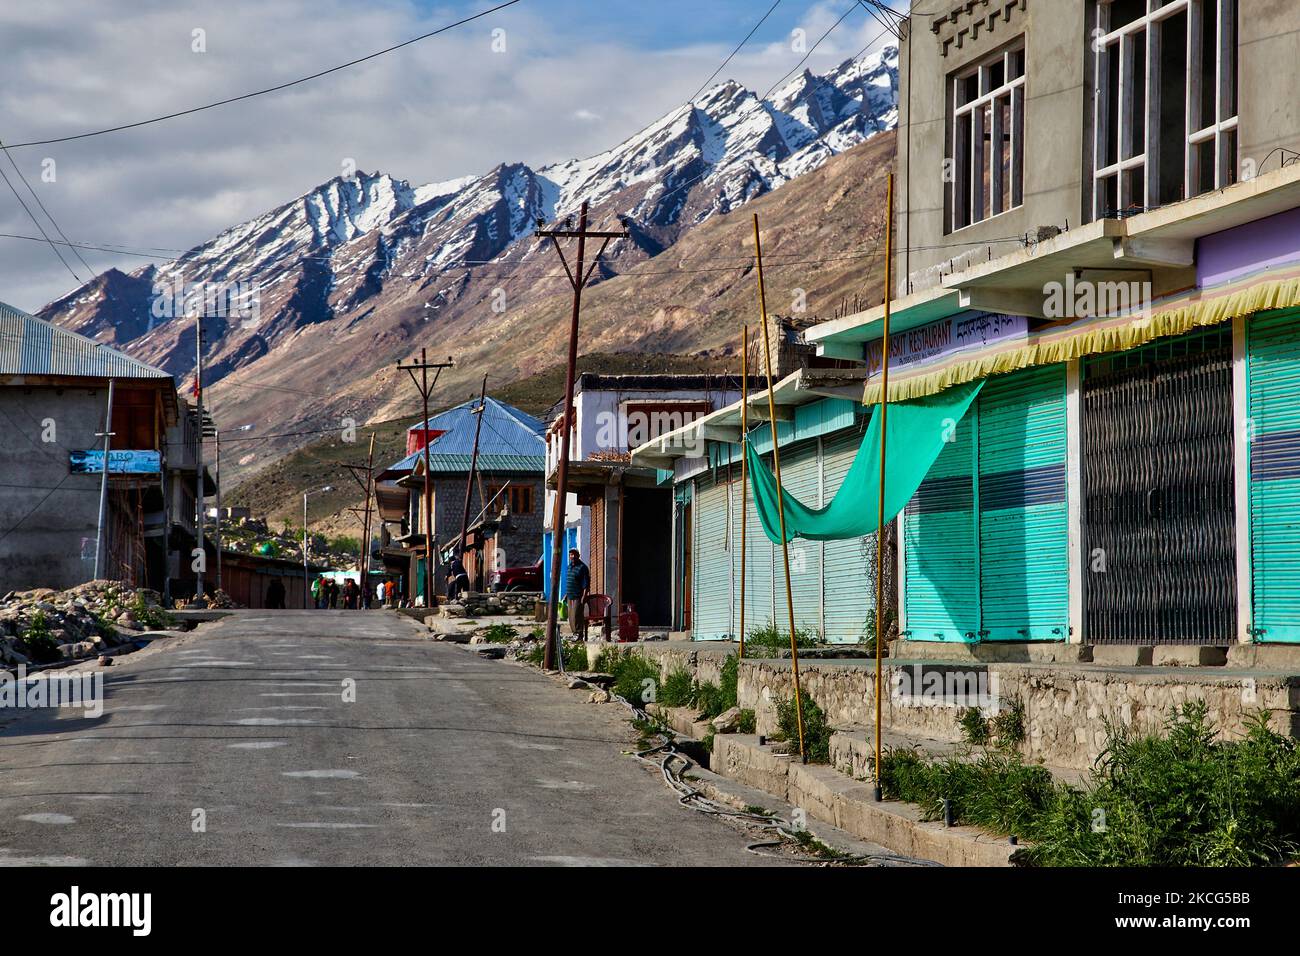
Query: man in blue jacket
x=577 y=586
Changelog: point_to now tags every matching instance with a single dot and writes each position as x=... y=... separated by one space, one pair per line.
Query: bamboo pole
x=880 y=496
x=744 y=470
x=780 y=502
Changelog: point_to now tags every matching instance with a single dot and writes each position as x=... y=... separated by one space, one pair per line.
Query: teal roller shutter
x=941 y=584
x=850 y=565
x=711 y=609
x=801 y=476
x=1273 y=386
x=1024 y=525
x=758 y=567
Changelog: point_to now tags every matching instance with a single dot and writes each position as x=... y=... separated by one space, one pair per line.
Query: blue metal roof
x=510 y=440
x=32 y=346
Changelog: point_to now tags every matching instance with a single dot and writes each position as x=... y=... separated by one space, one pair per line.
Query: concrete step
x=828 y=795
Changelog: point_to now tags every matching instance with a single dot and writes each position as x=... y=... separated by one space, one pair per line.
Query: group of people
x=327 y=594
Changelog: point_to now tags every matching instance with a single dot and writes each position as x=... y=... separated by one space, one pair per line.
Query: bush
x=679 y=689
x=1184 y=799
x=631 y=672
x=500 y=634
x=816 y=732
x=575 y=655
x=769 y=640
x=39 y=639
x=974 y=726
x=150 y=615
x=747 y=722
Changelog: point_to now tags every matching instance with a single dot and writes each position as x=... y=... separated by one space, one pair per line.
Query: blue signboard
x=91 y=462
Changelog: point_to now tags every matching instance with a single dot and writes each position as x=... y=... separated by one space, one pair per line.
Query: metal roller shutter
x=1024 y=529
x=711 y=617
x=1273 y=377
x=942 y=587
x=758 y=565
x=801 y=477
x=850 y=568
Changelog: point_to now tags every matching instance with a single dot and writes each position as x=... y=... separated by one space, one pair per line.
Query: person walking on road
x=577 y=587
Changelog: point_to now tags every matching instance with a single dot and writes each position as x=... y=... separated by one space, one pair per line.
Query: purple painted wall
x=1249 y=248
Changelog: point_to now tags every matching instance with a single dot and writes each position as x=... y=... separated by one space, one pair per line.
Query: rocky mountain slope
x=361 y=272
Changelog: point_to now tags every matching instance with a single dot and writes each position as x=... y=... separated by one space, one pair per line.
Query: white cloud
x=436 y=110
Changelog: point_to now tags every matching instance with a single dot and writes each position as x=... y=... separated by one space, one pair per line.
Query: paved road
x=245 y=720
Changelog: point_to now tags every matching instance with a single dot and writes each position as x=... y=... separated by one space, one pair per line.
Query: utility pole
x=880 y=492
x=216 y=433
x=780 y=500
x=198 y=452
x=363 y=560
x=103 y=486
x=578 y=279
x=423 y=384
x=473 y=465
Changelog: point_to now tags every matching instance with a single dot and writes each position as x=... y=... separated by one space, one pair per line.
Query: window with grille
x=987 y=137
x=1165 y=102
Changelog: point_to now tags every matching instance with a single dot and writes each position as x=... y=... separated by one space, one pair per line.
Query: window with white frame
x=1165 y=114
x=987 y=137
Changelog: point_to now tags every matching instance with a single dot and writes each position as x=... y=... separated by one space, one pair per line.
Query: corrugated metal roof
x=32 y=346
x=510 y=440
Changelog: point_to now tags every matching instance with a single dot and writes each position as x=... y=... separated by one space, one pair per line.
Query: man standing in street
x=577 y=586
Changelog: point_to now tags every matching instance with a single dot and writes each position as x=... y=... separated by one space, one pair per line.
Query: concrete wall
x=1268 y=60
x=47 y=539
x=1058 y=115
x=1054 y=109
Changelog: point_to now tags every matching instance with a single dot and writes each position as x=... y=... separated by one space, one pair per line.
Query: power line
x=269 y=89
x=734 y=52
x=53 y=221
x=36 y=222
x=814 y=47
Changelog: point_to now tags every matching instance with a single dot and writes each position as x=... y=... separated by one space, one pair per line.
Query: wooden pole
x=473 y=466
x=780 y=503
x=880 y=497
x=744 y=471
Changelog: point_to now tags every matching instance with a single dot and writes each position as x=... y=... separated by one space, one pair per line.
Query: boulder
x=727 y=722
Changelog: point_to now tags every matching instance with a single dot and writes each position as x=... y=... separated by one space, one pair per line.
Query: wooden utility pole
x=216 y=434
x=578 y=279
x=880 y=494
x=198 y=455
x=780 y=501
x=425 y=387
x=363 y=559
x=744 y=470
x=473 y=464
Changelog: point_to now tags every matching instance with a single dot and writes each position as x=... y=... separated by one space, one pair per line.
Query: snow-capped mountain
x=372 y=254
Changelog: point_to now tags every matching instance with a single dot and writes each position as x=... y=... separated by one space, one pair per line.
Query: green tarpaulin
x=918 y=430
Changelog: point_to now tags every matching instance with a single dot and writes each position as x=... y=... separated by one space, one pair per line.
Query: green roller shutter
x=711 y=573
x=1273 y=377
x=801 y=476
x=850 y=568
x=940 y=546
x=1024 y=526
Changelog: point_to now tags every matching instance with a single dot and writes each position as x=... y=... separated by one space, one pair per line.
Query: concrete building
x=508 y=490
x=1096 y=221
x=613 y=502
x=53 y=401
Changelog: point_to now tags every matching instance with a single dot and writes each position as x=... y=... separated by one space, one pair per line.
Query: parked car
x=527 y=578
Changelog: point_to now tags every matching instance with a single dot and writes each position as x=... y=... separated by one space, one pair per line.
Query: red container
x=629 y=624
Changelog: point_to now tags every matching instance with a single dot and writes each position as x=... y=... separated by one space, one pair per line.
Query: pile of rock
x=44 y=625
x=476 y=604
x=219 y=599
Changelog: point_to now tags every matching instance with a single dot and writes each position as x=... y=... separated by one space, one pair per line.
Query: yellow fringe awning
x=1200 y=309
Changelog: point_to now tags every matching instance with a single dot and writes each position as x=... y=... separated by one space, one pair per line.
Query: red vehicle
x=527 y=578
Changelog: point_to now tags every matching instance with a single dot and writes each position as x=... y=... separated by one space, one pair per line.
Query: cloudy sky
x=575 y=77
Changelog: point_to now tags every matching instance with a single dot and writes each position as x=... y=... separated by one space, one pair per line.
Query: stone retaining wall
x=1066 y=706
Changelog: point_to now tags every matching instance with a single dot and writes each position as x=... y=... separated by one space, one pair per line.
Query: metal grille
x=1160 y=549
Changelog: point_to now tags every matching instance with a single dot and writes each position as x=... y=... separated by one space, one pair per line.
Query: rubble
x=479 y=604
x=44 y=626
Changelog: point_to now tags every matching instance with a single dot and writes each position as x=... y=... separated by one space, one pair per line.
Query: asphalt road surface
x=234 y=745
